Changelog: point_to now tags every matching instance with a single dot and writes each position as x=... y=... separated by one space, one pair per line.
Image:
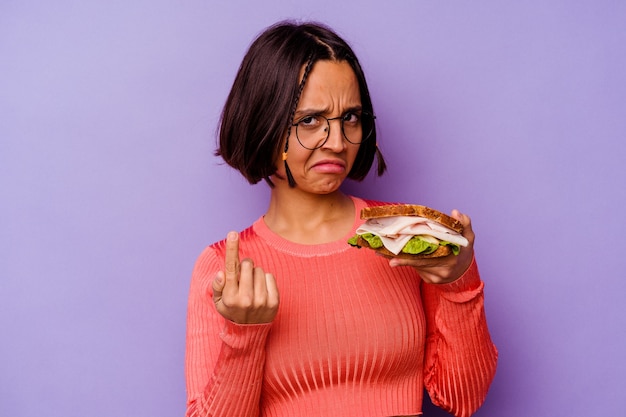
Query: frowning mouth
x=331 y=166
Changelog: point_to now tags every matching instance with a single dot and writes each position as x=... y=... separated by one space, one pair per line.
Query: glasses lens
x=312 y=131
x=357 y=128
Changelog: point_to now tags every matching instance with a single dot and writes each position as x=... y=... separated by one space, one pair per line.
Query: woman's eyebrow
x=324 y=111
x=310 y=111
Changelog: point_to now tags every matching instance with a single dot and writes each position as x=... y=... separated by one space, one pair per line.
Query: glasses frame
x=343 y=133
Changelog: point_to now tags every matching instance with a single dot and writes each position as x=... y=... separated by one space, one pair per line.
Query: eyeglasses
x=312 y=131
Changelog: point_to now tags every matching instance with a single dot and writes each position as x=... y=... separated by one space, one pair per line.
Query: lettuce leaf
x=414 y=246
x=455 y=248
x=373 y=240
x=417 y=245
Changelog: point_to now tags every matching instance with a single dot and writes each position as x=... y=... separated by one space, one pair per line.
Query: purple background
x=514 y=113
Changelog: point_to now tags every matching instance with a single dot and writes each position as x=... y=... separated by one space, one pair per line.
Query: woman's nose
x=335 y=141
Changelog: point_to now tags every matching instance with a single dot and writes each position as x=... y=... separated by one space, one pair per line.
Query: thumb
x=463 y=218
x=466 y=221
x=218 y=286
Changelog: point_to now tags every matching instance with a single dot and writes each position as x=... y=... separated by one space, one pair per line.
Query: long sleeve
x=352 y=337
x=224 y=361
x=460 y=358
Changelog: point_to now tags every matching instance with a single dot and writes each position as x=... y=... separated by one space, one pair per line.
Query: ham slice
x=396 y=231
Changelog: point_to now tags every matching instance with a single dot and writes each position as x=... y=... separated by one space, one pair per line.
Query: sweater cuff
x=245 y=337
x=469 y=284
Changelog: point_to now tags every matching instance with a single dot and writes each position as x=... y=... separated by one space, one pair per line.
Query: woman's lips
x=330 y=166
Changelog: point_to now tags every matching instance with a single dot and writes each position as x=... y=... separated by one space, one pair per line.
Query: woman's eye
x=308 y=121
x=351 y=118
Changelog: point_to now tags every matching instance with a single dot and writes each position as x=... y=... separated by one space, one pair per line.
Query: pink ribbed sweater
x=353 y=337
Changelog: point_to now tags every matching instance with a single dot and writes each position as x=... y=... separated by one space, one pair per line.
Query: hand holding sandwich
x=244 y=293
x=442 y=270
x=439 y=246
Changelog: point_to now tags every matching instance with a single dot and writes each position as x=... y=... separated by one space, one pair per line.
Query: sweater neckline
x=299 y=249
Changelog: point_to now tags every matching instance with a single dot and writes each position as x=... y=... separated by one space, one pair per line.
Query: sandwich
x=409 y=231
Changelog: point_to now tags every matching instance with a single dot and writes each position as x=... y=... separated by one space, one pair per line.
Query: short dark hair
x=259 y=108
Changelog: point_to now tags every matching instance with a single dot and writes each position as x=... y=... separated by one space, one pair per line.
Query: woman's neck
x=310 y=218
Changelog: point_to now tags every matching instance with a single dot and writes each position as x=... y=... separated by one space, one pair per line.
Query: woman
x=285 y=318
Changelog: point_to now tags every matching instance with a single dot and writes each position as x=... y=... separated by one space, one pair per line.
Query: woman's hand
x=449 y=268
x=244 y=293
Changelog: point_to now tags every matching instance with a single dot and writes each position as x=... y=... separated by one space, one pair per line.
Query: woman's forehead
x=330 y=84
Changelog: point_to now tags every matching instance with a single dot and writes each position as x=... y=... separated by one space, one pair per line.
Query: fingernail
x=232 y=236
